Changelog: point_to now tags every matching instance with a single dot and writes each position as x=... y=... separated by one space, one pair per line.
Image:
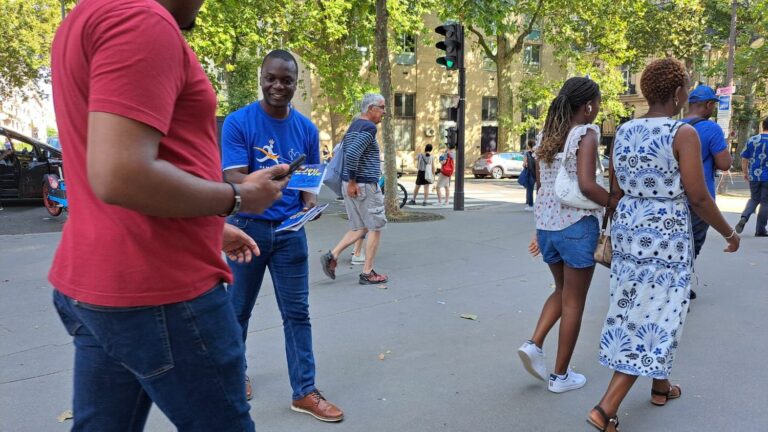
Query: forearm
x=308 y=198
x=160 y=189
x=595 y=193
x=745 y=167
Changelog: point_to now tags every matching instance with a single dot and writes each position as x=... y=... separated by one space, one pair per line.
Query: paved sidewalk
x=440 y=372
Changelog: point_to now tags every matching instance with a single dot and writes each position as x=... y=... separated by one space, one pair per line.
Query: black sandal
x=607 y=421
x=667 y=394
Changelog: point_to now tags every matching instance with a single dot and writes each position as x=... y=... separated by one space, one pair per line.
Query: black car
x=25 y=164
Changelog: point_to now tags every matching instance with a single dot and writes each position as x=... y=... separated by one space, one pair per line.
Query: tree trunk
x=385 y=85
x=504 y=94
x=746 y=123
x=338 y=121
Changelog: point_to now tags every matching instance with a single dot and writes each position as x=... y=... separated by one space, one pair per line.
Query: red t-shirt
x=129 y=58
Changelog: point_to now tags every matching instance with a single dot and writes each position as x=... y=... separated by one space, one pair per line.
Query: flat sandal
x=607 y=421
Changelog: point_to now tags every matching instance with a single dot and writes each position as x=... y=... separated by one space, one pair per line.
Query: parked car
x=498 y=165
x=27 y=166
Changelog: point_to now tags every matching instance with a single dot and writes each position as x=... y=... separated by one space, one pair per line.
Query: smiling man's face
x=278 y=82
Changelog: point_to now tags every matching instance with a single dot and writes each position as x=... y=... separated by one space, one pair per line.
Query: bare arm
x=688 y=152
x=586 y=158
x=745 y=168
x=723 y=160
x=124 y=170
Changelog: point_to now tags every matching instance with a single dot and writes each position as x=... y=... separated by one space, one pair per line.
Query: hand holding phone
x=295 y=164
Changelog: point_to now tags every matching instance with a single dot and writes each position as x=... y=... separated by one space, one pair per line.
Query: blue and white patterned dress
x=652 y=253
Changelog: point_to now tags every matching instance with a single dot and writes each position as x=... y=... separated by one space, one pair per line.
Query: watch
x=238 y=200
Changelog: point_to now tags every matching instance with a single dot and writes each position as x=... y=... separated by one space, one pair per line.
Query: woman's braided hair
x=575 y=93
x=661 y=78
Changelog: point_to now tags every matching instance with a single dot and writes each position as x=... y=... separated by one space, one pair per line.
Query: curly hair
x=575 y=93
x=661 y=78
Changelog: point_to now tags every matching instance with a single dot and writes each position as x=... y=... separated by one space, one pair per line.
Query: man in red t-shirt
x=138 y=275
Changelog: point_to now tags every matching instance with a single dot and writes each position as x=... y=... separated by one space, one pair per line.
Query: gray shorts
x=367 y=210
x=443 y=181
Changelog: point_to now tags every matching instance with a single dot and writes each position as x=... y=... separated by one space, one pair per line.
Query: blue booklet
x=308 y=178
x=295 y=222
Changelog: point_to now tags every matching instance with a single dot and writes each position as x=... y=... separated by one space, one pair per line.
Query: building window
x=490 y=108
x=532 y=55
x=404 y=136
x=404 y=105
x=446 y=103
x=406 y=49
x=629 y=86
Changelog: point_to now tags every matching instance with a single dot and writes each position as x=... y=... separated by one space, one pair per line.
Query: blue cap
x=702 y=93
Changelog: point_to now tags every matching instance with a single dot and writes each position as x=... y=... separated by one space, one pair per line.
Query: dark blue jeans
x=699 y=228
x=188 y=358
x=758 y=196
x=285 y=254
x=529 y=193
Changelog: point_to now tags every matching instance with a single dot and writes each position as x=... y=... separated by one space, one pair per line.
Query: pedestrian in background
x=658 y=173
x=754 y=164
x=566 y=236
x=425 y=175
x=447 y=168
x=363 y=198
x=702 y=103
x=529 y=164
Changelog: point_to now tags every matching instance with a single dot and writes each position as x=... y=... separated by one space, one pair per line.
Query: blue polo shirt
x=252 y=138
x=713 y=142
x=756 y=151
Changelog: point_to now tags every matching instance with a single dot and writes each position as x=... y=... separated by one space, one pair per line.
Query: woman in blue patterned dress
x=658 y=172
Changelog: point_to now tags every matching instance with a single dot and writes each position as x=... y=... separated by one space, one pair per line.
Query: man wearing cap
x=702 y=103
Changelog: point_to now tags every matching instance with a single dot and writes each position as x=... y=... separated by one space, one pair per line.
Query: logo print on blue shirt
x=269 y=153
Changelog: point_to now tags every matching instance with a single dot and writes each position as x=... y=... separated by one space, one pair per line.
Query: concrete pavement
x=440 y=372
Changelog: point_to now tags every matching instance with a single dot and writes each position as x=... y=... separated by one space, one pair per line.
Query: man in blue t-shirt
x=258 y=136
x=754 y=164
x=702 y=103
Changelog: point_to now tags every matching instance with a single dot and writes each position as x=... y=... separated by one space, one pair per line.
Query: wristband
x=733 y=233
x=238 y=200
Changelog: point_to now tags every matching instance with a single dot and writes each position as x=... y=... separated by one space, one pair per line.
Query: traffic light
x=452 y=45
x=451 y=137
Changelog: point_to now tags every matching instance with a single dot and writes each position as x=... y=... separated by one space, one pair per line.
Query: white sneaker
x=357 y=260
x=528 y=208
x=533 y=360
x=572 y=381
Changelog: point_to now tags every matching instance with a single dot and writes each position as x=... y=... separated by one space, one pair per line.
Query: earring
x=589 y=109
x=677 y=101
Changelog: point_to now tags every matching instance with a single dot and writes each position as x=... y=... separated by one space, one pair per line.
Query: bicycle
x=402 y=194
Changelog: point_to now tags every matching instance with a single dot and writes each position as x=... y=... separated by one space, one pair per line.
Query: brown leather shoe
x=248 y=388
x=318 y=407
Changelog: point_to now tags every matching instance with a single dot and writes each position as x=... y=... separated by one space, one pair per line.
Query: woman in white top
x=426 y=174
x=566 y=236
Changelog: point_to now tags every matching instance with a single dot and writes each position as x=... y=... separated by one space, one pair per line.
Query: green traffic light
x=449 y=63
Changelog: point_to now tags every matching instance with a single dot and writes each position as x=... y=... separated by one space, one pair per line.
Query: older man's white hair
x=370 y=99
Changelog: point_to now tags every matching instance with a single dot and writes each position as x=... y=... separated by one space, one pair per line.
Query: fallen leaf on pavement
x=381 y=286
x=472 y=317
x=382 y=356
x=66 y=415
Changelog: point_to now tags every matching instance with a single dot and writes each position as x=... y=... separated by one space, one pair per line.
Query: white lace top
x=550 y=214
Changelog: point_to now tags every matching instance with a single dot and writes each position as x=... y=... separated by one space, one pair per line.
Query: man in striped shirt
x=363 y=198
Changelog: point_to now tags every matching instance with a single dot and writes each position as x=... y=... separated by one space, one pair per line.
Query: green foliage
x=27 y=31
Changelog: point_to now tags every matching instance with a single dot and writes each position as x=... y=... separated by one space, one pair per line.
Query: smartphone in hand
x=295 y=164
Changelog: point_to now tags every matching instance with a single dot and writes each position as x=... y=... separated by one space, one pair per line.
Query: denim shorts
x=574 y=245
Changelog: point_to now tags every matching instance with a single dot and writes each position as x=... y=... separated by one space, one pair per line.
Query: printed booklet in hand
x=295 y=222
x=308 y=178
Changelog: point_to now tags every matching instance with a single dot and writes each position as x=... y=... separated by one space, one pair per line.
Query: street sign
x=724 y=105
x=726 y=91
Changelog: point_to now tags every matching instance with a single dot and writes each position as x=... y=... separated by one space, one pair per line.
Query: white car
x=498 y=165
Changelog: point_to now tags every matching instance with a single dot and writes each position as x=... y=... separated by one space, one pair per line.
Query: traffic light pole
x=458 y=193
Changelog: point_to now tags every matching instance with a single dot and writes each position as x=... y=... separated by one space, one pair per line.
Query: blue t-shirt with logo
x=713 y=142
x=252 y=138
x=756 y=151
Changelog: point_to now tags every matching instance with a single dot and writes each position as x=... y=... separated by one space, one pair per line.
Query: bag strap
x=606 y=218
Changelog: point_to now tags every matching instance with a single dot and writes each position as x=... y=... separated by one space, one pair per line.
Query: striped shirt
x=361 y=153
